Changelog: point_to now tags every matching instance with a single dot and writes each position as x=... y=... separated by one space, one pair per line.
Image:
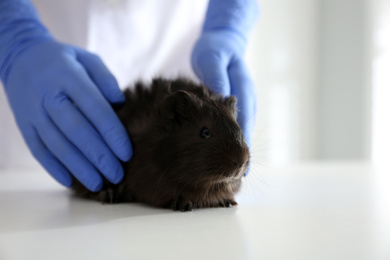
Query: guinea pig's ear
x=231 y=104
x=177 y=106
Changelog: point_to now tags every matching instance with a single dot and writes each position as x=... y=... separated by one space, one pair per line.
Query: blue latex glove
x=60 y=98
x=217 y=57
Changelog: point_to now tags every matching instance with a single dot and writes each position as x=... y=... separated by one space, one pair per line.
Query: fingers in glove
x=69 y=155
x=46 y=158
x=211 y=68
x=244 y=89
x=82 y=134
x=101 y=76
x=98 y=111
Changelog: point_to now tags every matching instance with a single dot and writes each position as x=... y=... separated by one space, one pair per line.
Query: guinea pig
x=189 y=151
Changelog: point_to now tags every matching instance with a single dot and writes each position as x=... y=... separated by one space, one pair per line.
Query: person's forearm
x=19 y=24
x=237 y=15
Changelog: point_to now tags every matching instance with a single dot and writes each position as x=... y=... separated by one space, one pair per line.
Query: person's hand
x=217 y=58
x=60 y=98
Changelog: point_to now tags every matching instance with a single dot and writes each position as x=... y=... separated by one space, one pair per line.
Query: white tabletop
x=311 y=211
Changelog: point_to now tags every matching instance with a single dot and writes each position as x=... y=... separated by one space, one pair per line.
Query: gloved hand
x=60 y=98
x=217 y=57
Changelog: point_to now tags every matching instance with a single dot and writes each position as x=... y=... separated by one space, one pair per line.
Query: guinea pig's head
x=204 y=143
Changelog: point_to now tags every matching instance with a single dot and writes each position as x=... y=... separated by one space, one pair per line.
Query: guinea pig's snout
x=243 y=164
x=237 y=164
x=238 y=168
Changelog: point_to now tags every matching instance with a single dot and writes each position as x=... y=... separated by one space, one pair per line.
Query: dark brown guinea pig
x=189 y=151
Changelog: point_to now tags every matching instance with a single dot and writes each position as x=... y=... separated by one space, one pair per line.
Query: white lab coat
x=136 y=39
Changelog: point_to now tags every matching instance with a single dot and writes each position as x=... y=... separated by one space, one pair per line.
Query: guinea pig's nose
x=237 y=164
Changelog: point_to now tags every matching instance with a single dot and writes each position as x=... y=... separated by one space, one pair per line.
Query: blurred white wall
x=381 y=80
x=345 y=89
x=311 y=60
x=283 y=56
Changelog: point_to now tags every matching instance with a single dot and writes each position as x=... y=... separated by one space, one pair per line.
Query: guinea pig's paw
x=228 y=203
x=182 y=204
x=107 y=195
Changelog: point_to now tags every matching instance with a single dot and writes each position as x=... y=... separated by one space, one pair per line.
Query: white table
x=311 y=211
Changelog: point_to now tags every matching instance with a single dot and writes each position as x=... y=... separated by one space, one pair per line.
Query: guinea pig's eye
x=205 y=133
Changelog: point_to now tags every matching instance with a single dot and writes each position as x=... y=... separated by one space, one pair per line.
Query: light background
x=321 y=68
x=322 y=71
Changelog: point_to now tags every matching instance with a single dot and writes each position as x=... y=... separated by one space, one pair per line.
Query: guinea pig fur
x=189 y=151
